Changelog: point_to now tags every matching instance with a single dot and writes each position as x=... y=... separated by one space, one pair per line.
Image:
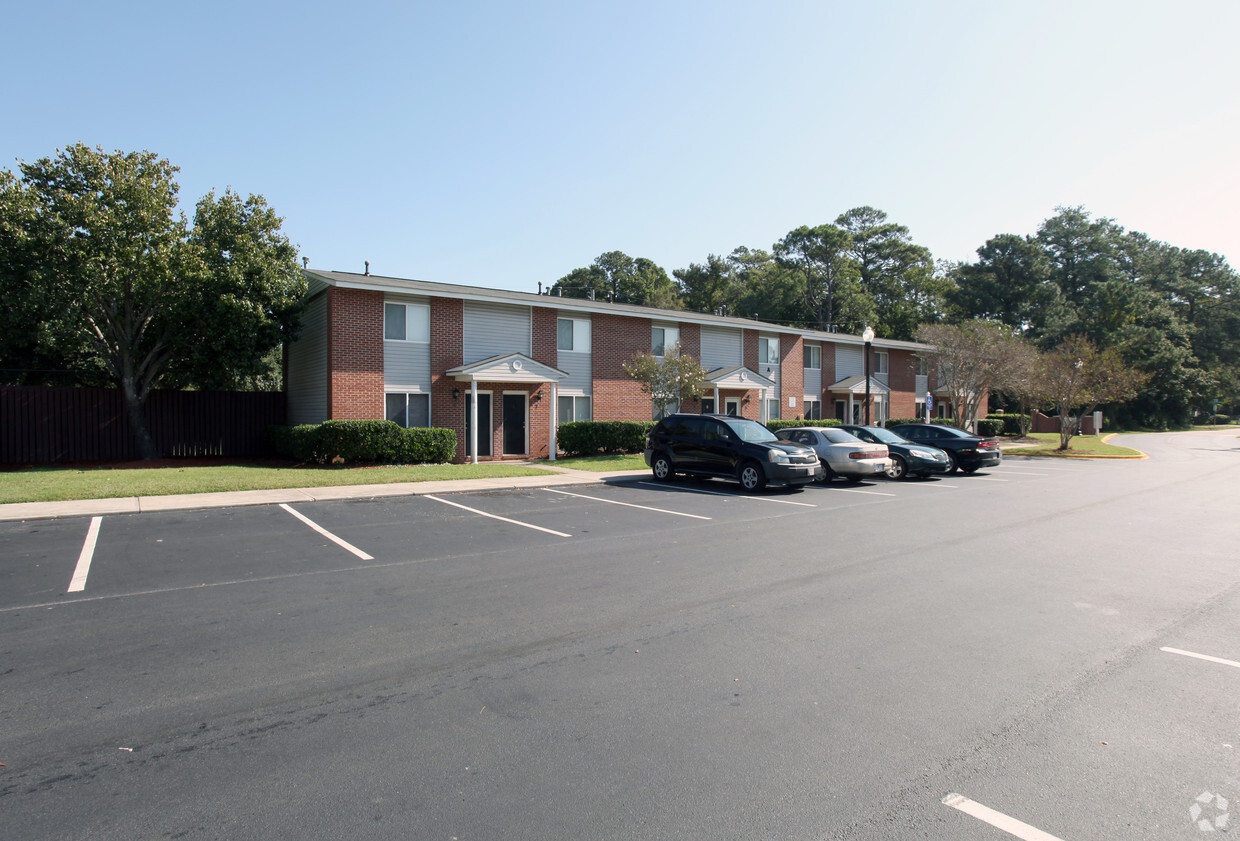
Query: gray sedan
x=841 y=453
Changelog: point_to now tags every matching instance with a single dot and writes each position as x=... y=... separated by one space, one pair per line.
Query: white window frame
x=407 y=395
x=812 y=408
x=417 y=323
x=880 y=362
x=768 y=346
x=813 y=357
x=575 y=402
x=671 y=339
x=580 y=339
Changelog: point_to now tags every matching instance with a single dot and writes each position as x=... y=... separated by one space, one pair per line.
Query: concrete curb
x=185 y=502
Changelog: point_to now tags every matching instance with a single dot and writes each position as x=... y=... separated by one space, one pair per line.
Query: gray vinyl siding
x=922 y=385
x=307 y=367
x=494 y=329
x=721 y=348
x=849 y=362
x=813 y=382
x=579 y=369
x=406 y=365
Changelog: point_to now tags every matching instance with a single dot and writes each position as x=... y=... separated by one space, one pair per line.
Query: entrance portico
x=521 y=372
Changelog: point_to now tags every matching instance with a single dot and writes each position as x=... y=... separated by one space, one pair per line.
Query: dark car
x=730 y=448
x=966 y=450
x=907 y=458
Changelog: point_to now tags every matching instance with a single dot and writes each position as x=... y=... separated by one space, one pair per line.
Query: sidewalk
x=179 y=502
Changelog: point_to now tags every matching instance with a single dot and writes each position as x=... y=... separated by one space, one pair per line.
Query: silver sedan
x=841 y=453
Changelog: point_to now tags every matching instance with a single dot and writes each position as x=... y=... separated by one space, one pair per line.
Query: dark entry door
x=484 y=425
x=514 y=424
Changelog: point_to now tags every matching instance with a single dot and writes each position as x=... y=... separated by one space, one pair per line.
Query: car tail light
x=987 y=445
x=877 y=452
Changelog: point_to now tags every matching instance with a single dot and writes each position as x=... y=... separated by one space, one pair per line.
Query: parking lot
x=1042 y=650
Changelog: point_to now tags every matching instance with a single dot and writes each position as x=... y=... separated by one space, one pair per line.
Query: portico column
x=473 y=419
x=555 y=414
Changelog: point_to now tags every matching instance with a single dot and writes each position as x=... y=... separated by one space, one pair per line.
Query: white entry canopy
x=737 y=377
x=508 y=368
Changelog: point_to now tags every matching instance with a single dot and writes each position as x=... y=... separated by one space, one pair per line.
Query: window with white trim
x=663 y=339
x=923 y=366
x=573 y=334
x=813 y=357
x=407 y=322
x=571 y=407
x=813 y=408
x=768 y=350
x=408 y=409
x=772 y=410
x=880 y=362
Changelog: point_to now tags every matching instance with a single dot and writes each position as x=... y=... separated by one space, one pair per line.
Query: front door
x=732 y=406
x=484 y=425
x=514 y=425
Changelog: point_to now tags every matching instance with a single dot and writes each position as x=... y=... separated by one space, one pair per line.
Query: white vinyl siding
x=721 y=348
x=494 y=330
x=307 y=367
x=849 y=361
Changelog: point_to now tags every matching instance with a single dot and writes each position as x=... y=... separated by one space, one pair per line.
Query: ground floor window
x=572 y=408
x=921 y=408
x=772 y=410
x=660 y=411
x=409 y=410
x=813 y=408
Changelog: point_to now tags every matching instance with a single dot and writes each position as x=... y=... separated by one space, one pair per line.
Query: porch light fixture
x=867 y=336
x=456 y=394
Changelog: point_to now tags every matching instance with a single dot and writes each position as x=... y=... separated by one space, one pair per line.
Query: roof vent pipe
x=305 y=262
x=540 y=287
x=367 y=268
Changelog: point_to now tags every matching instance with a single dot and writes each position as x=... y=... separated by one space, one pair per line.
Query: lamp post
x=867 y=336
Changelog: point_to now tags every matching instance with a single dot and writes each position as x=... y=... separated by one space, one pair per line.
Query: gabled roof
x=507 y=368
x=738 y=376
x=857 y=385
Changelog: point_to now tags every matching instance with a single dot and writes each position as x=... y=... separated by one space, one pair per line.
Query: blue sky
x=503 y=144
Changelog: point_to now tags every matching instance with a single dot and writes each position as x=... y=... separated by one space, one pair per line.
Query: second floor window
x=663 y=339
x=813 y=356
x=768 y=350
x=880 y=362
x=407 y=322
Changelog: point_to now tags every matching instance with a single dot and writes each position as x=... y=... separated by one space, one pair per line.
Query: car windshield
x=751 y=431
x=886 y=436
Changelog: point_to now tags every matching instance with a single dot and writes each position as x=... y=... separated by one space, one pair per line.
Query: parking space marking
x=338 y=541
x=78 y=583
x=1202 y=657
x=935 y=484
x=859 y=491
x=734 y=496
x=989 y=479
x=496 y=516
x=998 y=820
x=627 y=504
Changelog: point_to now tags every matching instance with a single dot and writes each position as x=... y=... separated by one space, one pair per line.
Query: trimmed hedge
x=1011 y=421
x=589 y=438
x=343 y=441
x=989 y=427
x=776 y=425
x=899 y=421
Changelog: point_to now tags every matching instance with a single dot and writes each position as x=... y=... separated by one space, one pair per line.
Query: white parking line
x=860 y=491
x=1202 y=657
x=734 y=496
x=935 y=484
x=78 y=583
x=496 y=516
x=998 y=820
x=627 y=504
x=988 y=479
x=338 y=541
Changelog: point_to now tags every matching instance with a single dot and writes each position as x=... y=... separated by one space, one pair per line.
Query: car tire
x=828 y=475
x=952 y=466
x=751 y=477
x=661 y=467
x=972 y=468
x=898 y=469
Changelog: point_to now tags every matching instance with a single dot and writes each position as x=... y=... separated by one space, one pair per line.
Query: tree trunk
x=137 y=419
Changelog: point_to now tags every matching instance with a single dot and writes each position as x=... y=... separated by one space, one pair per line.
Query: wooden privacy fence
x=47 y=425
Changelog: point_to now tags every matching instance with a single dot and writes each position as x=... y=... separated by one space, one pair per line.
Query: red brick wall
x=902 y=379
x=614 y=340
x=751 y=401
x=543 y=342
x=354 y=354
x=691 y=345
x=447 y=332
x=791 y=375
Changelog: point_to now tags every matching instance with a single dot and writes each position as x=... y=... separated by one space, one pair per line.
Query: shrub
x=947 y=422
x=1011 y=421
x=776 y=425
x=588 y=438
x=1220 y=420
x=899 y=421
x=363 y=441
x=989 y=427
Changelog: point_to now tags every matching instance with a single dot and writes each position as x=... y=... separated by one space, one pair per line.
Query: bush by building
x=352 y=441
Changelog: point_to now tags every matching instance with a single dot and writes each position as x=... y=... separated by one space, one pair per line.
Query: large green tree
x=615 y=276
x=829 y=281
x=128 y=292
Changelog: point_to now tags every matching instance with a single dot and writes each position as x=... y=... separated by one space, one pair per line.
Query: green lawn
x=1080 y=445
x=602 y=464
x=53 y=484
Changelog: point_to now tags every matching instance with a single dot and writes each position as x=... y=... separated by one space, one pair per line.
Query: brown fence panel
x=47 y=425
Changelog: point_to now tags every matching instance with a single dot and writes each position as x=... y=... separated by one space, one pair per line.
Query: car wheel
x=828 y=475
x=661 y=467
x=972 y=468
x=751 y=477
x=952 y=466
x=898 y=469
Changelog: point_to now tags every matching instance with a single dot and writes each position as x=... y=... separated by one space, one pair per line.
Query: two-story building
x=504 y=368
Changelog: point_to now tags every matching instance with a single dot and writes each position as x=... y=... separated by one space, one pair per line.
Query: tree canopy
x=105 y=282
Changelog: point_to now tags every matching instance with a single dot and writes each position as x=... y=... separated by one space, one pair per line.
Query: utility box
x=1097 y=423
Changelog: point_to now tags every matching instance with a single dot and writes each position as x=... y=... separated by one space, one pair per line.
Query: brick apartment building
x=515 y=365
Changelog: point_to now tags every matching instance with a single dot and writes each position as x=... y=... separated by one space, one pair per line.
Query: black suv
x=729 y=447
x=965 y=450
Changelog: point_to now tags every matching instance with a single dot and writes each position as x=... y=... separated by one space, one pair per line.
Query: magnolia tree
x=669 y=379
